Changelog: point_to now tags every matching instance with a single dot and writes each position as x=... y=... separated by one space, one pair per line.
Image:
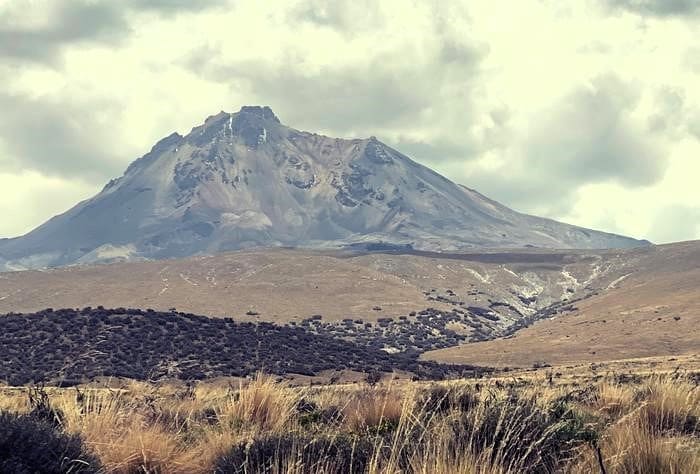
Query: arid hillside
x=651 y=309
x=585 y=306
x=289 y=285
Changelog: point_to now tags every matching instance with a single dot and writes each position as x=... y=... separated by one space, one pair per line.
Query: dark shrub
x=41 y=409
x=329 y=416
x=339 y=455
x=28 y=445
x=439 y=399
x=306 y=406
x=513 y=426
x=373 y=377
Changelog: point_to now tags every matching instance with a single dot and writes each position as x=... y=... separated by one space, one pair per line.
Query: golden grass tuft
x=670 y=406
x=456 y=427
x=614 y=400
x=261 y=405
x=630 y=448
x=374 y=407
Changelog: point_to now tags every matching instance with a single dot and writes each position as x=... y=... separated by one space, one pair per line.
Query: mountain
x=245 y=180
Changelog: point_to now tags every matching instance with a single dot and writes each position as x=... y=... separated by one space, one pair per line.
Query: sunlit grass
x=396 y=426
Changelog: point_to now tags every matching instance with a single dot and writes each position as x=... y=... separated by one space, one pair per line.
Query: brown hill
x=591 y=305
x=285 y=285
x=651 y=309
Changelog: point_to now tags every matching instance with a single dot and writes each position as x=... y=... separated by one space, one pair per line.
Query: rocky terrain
x=244 y=180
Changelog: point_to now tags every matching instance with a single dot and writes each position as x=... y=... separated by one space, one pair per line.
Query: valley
x=491 y=309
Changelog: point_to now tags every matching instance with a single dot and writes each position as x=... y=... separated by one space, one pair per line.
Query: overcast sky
x=584 y=111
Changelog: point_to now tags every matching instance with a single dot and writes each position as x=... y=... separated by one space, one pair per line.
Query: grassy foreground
x=645 y=426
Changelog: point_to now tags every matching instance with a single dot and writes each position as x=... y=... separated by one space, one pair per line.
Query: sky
x=585 y=111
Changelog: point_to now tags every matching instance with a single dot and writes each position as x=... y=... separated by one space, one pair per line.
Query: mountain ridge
x=244 y=179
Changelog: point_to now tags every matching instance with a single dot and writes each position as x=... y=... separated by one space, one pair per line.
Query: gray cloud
x=348 y=17
x=341 y=99
x=71 y=22
x=366 y=98
x=673 y=117
x=59 y=138
x=658 y=8
x=590 y=138
x=172 y=6
x=386 y=95
x=586 y=138
x=694 y=125
x=668 y=116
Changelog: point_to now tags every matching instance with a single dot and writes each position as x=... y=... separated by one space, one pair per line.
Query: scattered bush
x=517 y=432
x=151 y=345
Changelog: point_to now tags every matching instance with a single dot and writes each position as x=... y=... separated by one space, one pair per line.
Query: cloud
x=349 y=17
x=588 y=136
x=387 y=94
x=674 y=116
x=658 y=8
x=676 y=222
x=171 y=6
x=694 y=125
x=668 y=116
x=67 y=23
x=339 y=98
x=59 y=138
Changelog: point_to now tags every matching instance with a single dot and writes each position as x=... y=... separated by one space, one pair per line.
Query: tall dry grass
x=395 y=427
x=652 y=428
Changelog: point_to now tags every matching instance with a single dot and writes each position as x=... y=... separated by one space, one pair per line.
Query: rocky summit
x=244 y=180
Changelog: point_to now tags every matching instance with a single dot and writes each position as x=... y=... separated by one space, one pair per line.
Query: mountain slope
x=243 y=180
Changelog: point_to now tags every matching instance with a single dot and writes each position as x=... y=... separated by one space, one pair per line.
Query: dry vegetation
x=612 y=304
x=536 y=424
x=66 y=347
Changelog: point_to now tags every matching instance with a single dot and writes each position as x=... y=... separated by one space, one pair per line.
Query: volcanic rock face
x=243 y=179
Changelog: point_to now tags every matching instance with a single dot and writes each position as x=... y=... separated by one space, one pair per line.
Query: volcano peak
x=260 y=111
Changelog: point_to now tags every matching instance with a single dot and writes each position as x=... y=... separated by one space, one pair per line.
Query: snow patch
x=569 y=282
x=478 y=276
x=508 y=270
x=613 y=284
x=535 y=287
x=187 y=279
x=108 y=252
